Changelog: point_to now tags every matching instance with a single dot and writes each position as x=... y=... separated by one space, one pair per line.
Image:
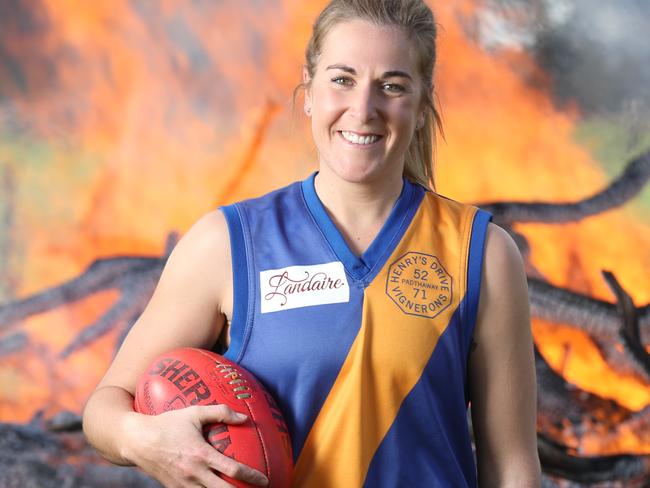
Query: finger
x=233 y=469
x=211 y=480
x=219 y=413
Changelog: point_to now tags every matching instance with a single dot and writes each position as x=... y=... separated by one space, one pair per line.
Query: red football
x=186 y=376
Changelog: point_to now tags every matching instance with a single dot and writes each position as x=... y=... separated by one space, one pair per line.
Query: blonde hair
x=415 y=18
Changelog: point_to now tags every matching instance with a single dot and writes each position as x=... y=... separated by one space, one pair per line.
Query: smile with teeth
x=357 y=139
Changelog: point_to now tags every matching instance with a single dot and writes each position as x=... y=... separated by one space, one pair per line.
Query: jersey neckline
x=364 y=267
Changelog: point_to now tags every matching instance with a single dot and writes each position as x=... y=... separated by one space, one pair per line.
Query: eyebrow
x=387 y=74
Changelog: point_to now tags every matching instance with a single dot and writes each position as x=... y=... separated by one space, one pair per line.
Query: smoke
x=596 y=52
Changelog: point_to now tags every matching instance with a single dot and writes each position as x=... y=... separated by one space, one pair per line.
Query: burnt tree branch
x=558 y=460
x=55 y=454
x=598 y=318
x=629 y=329
x=103 y=274
x=134 y=295
x=566 y=410
x=594 y=316
x=624 y=188
x=13 y=343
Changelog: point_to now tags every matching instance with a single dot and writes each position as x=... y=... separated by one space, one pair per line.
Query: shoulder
x=203 y=254
x=207 y=238
x=209 y=230
x=502 y=256
x=503 y=301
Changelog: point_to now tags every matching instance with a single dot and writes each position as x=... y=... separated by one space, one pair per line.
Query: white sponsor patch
x=303 y=286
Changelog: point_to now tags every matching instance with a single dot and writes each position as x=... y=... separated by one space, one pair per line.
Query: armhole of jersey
x=240 y=281
x=475 y=266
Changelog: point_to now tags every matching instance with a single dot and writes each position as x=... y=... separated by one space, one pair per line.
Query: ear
x=306 y=81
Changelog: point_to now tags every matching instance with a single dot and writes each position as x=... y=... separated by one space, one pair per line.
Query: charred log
x=64 y=422
x=597 y=317
x=566 y=411
x=629 y=330
x=624 y=470
x=32 y=456
x=13 y=343
x=102 y=274
x=135 y=294
x=135 y=277
x=624 y=188
x=600 y=319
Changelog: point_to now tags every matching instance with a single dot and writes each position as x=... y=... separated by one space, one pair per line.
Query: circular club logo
x=419 y=285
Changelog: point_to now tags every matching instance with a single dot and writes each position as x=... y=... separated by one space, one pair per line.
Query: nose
x=365 y=103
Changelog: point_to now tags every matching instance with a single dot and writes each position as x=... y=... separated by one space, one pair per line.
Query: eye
x=342 y=80
x=393 y=88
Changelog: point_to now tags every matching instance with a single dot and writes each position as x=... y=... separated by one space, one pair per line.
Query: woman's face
x=364 y=101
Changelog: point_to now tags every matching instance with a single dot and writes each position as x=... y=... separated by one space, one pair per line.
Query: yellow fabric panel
x=392 y=347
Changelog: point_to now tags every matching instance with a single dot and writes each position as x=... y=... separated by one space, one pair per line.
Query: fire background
x=122 y=122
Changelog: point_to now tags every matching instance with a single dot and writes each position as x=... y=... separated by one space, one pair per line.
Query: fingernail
x=240 y=416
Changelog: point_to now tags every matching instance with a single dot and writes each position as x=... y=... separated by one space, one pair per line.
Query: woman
x=353 y=295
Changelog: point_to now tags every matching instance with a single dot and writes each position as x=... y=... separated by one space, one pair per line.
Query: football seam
x=262 y=443
x=250 y=411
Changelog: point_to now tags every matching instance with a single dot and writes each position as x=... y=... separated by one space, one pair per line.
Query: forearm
x=105 y=423
x=522 y=474
x=530 y=475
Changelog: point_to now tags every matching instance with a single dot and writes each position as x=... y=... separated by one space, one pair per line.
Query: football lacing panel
x=235 y=379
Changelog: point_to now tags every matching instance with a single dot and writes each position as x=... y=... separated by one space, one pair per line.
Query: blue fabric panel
x=475 y=265
x=429 y=438
x=298 y=354
x=474 y=272
x=240 y=280
x=366 y=266
x=295 y=353
x=351 y=262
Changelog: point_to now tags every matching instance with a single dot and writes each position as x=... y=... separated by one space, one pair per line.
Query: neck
x=359 y=210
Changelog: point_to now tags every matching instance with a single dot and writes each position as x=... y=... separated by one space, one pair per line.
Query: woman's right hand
x=171 y=448
x=188 y=309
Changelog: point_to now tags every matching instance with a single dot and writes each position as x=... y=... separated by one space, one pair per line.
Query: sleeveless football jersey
x=365 y=355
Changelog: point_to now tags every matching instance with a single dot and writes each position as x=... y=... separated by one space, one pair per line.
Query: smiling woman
x=364 y=103
x=355 y=296
x=410 y=25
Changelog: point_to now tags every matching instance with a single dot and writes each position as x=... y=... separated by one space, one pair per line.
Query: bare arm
x=186 y=310
x=502 y=381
